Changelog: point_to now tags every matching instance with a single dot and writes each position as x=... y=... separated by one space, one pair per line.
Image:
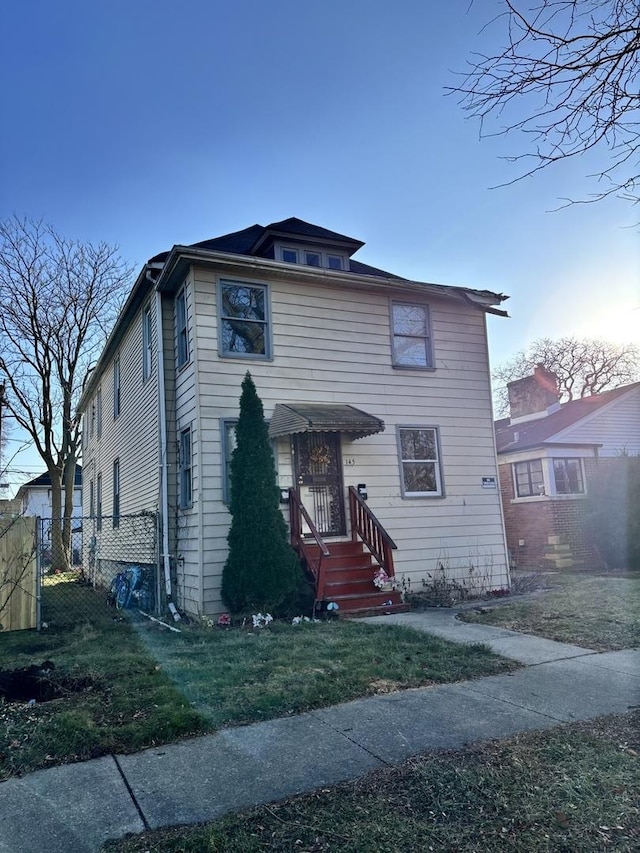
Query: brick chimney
x=531 y=396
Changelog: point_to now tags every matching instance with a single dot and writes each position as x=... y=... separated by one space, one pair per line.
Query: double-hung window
x=529 y=478
x=116 y=493
x=146 y=344
x=99 y=503
x=186 y=469
x=92 y=506
x=419 y=455
x=182 y=335
x=99 y=412
x=116 y=386
x=244 y=320
x=411 y=335
x=567 y=474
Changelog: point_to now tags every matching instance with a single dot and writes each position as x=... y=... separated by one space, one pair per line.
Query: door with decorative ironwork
x=318 y=468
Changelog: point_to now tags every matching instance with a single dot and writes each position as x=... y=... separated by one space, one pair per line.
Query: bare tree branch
x=575 y=65
x=584 y=366
x=58 y=300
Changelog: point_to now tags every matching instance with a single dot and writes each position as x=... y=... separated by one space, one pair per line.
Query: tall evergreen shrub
x=262 y=572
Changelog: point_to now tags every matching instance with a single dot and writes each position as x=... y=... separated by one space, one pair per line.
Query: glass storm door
x=318 y=468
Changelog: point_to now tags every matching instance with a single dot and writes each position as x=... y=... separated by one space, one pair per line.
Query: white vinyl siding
x=132 y=435
x=333 y=344
x=615 y=427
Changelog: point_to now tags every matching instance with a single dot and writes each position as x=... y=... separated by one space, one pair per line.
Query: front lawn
x=574 y=788
x=125 y=686
x=592 y=611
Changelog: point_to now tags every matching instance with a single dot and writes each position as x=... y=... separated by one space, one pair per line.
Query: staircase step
x=348 y=561
x=355 y=601
x=381 y=610
x=332 y=589
x=335 y=548
x=350 y=574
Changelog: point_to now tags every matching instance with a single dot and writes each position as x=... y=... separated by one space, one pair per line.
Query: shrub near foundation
x=262 y=572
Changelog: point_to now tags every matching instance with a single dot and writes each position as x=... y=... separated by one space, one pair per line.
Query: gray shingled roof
x=520 y=436
x=244 y=242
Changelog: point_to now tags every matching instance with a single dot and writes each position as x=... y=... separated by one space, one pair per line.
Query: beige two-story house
x=377 y=393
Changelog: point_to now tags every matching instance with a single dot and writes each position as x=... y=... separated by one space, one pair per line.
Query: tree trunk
x=59 y=553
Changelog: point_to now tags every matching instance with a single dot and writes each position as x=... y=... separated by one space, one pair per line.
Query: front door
x=318 y=469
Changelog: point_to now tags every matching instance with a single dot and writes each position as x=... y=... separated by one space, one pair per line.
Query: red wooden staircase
x=343 y=572
x=347 y=580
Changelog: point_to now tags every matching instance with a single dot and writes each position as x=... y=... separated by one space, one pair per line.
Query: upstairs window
x=186 y=470
x=419 y=462
x=529 y=478
x=146 y=344
x=568 y=477
x=182 y=339
x=411 y=335
x=312 y=258
x=116 y=386
x=99 y=412
x=244 y=323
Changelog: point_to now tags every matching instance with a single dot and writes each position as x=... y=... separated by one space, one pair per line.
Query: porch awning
x=289 y=418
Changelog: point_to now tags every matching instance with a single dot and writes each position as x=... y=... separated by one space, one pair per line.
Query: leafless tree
x=583 y=366
x=58 y=300
x=575 y=65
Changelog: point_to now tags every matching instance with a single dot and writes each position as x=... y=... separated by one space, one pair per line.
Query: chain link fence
x=109 y=564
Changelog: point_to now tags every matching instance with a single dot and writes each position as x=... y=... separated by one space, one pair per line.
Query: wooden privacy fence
x=17 y=574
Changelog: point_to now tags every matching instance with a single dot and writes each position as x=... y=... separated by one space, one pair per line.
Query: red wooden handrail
x=365 y=525
x=298 y=512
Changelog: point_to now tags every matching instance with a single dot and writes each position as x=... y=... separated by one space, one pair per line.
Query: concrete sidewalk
x=77 y=807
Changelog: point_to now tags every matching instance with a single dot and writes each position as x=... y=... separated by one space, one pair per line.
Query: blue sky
x=147 y=123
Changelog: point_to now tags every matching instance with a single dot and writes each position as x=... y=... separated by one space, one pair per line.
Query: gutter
x=185 y=255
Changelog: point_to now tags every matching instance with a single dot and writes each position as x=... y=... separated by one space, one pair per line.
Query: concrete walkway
x=77 y=807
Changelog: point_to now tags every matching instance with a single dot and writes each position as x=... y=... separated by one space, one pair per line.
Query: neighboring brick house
x=548 y=454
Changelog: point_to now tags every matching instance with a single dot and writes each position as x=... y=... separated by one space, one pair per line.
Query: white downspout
x=164 y=480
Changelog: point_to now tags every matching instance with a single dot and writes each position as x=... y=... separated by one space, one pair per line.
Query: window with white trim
x=244 y=320
x=99 y=412
x=182 y=336
x=116 y=386
x=312 y=257
x=419 y=456
x=99 y=503
x=568 y=477
x=228 y=446
x=411 y=335
x=186 y=469
x=147 y=341
x=528 y=478
x=116 y=493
